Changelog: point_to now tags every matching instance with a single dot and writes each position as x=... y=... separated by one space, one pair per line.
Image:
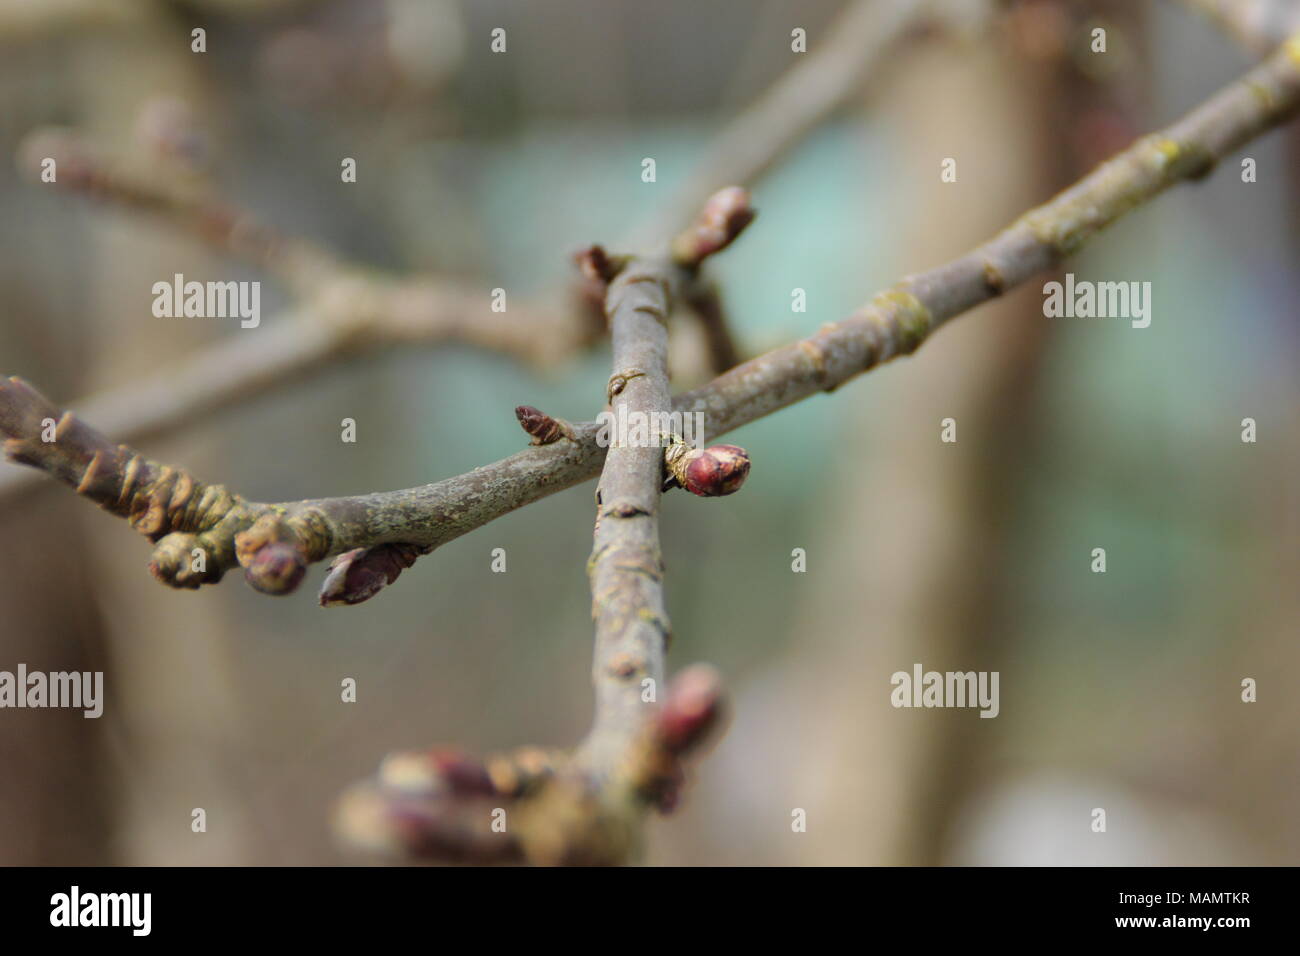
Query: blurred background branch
x=1258 y=25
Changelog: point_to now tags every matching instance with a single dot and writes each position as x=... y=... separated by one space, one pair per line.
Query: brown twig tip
x=723 y=218
x=598 y=265
x=360 y=574
x=22 y=410
x=708 y=472
x=541 y=426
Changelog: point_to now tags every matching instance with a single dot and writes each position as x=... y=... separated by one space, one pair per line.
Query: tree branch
x=899 y=319
x=163 y=503
x=350 y=317
x=343 y=310
x=800 y=101
x=626 y=565
x=894 y=323
x=532 y=805
x=585 y=807
x=429 y=309
x=705 y=300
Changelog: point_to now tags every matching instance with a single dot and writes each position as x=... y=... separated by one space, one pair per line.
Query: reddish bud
x=441 y=771
x=709 y=472
x=541 y=426
x=598 y=265
x=692 y=709
x=421 y=826
x=665 y=790
x=465 y=775
x=272 y=553
x=358 y=575
x=691 y=713
x=276 y=568
x=723 y=218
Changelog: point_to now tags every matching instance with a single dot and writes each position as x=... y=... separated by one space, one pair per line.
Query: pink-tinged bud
x=351 y=580
x=358 y=575
x=692 y=709
x=445 y=828
x=276 y=568
x=437 y=772
x=692 y=712
x=272 y=554
x=724 y=217
x=727 y=213
x=465 y=775
x=709 y=472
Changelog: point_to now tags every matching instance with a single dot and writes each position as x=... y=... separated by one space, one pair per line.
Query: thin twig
x=1258 y=25
x=723 y=217
x=350 y=317
x=839 y=61
x=705 y=300
x=626 y=566
x=82 y=168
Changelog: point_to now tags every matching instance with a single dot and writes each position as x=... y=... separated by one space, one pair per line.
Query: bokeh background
x=1118 y=690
